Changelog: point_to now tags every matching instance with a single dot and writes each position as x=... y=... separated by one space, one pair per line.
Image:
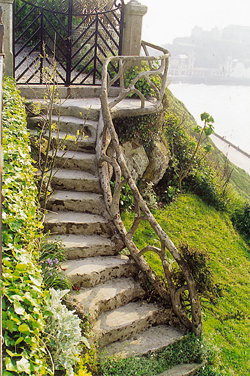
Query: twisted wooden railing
x=114 y=162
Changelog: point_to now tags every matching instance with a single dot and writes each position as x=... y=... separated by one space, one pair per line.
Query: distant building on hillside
x=205 y=56
x=198 y=33
x=181 y=65
x=237 y=33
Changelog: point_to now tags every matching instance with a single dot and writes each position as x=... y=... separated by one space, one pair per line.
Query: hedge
x=22 y=285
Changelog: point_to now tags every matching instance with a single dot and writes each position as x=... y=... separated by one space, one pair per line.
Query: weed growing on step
x=188 y=350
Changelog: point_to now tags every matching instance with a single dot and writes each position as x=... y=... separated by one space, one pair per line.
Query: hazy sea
x=229 y=106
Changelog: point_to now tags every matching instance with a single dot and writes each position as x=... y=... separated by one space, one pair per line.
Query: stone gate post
x=7 y=7
x=133 y=15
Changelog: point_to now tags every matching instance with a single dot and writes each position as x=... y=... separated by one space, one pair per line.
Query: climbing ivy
x=21 y=287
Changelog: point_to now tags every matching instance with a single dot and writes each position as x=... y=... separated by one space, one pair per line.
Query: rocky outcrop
x=136 y=159
x=158 y=163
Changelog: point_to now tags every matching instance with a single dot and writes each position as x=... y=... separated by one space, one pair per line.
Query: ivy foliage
x=23 y=323
x=142 y=84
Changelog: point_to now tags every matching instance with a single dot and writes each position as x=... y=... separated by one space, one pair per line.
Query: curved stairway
x=106 y=284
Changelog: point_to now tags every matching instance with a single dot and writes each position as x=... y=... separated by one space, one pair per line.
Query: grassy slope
x=239 y=178
x=227 y=324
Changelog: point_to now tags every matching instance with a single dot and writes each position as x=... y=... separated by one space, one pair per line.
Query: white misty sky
x=168 y=19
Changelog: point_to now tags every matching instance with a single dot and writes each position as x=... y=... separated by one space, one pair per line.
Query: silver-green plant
x=63 y=333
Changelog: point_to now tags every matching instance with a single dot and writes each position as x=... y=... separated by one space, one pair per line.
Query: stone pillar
x=133 y=14
x=7 y=6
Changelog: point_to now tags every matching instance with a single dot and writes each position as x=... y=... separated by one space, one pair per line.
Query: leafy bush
x=126 y=196
x=190 y=167
x=198 y=263
x=142 y=84
x=63 y=332
x=241 y=218
x=23 y=320
x=206 y=183
x=143 y=129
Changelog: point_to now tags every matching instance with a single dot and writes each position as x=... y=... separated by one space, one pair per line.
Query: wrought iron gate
x=72 y=41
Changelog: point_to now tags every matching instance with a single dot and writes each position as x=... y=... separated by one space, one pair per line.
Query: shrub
x=142 y=84
x=198 y=264
x=241 y=219
x=23 y=296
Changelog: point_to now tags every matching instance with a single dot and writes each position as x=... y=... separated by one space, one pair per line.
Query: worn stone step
x=82 y=108
x=153 y=339
x=85 y=108
x=74 y=91
x=106 y=296
x=80 y=246
x=68 y=124
x=182 y=370
x=70 y=141
x=132 y=318
x=90 y=271
x=75 y=160
x=62 y=223
x=77 y=201
x=75 y=180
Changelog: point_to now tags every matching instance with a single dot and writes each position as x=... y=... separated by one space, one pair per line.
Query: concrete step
x=71 y=141
x=90 y=271
x=123 y=322
x=83 y=108
x=76 y=201
x=75 y=160
x=153 y=339
x=67 y=124
x=75 y=180
x=183 y=370
x=75 y=91
x=106 y=296
x=76 y=223
x=80 y=246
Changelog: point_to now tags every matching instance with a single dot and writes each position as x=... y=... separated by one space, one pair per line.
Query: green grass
x=226 y=324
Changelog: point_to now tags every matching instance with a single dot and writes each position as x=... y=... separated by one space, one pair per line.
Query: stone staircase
x=106 y=283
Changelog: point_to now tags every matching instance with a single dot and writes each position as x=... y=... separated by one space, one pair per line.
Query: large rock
x=158 y=163
x=136 y=159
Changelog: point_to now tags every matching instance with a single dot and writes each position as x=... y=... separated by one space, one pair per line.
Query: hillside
x=227 y=322
x=190 y=220
x=240 y=180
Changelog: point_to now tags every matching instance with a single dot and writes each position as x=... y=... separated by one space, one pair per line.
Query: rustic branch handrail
x=116 y=164
x=123 y=62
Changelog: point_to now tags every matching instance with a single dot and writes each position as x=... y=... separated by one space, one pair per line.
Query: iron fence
x=74 y=39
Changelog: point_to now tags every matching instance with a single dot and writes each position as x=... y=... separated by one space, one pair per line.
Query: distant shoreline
x=230 y=143
x=209 y=80
x=237 y=156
